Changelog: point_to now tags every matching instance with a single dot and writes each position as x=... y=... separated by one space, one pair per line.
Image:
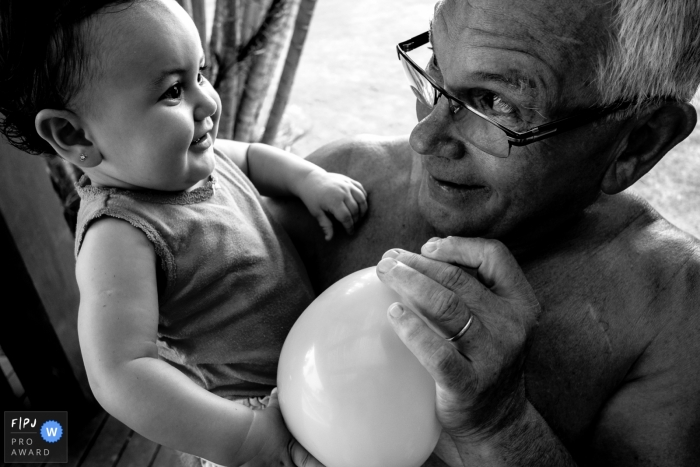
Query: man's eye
x=433 y=69
x=433 y=63
x=174 y=92
x=502 y=107
x=492 y=104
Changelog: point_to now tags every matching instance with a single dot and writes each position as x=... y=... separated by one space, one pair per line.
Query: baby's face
x=149 y=111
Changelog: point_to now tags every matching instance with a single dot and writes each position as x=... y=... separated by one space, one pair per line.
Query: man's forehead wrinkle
x=553 y=28
x=534 y=79
x=518 y=35
x=480 y=25
x=561 y=36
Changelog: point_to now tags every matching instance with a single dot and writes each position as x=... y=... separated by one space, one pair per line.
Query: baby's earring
x=83 y=157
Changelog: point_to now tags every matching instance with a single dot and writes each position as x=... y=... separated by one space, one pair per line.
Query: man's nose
x=436 y=135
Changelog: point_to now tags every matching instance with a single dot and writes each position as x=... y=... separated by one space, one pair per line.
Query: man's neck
x=529 y=242
x=587 y=229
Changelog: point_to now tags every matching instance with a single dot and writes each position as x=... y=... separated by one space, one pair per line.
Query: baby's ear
x=63 y=130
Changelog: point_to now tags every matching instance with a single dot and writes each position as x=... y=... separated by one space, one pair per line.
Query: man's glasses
x=479 y=129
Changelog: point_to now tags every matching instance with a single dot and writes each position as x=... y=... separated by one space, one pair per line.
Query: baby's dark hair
x=43 y=62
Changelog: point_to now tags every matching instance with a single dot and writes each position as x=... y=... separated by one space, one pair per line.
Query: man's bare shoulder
x=625 y=228
x=660 y=245
x=651 y=270
x=649 y=283
x=650 y=253
x=365 y=158
x=626 y=270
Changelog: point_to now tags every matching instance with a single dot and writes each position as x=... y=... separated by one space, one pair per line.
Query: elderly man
x=572 y=308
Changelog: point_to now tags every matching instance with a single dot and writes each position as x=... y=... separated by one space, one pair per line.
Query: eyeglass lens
x=476 y=130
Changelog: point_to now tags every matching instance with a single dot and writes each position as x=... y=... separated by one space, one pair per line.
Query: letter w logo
x=52 y=432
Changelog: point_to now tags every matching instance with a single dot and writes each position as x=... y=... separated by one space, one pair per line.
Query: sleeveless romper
x=232 y=284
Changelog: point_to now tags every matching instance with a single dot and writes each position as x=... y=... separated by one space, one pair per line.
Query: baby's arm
x=118 y=324
x=275 y=172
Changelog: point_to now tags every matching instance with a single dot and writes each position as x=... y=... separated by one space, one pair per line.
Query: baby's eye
x=200 y=75
x=173 y=93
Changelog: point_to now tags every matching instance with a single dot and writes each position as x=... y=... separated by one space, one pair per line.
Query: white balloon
x=350 y=391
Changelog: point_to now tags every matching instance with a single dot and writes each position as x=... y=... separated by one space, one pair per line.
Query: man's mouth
x=455 y=187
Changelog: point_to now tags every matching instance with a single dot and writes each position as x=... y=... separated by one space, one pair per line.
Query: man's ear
x=63 y=130
x=651 y=137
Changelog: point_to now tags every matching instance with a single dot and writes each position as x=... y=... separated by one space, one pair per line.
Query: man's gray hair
x=653 y=51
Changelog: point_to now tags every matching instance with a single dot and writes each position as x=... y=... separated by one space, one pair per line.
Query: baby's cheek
x=215 y=117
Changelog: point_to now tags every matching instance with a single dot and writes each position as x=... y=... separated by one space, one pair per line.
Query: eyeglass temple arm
x=414 y=42
x=565 y=124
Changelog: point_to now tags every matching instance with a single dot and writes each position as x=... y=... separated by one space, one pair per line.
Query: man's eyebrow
x=513 y=79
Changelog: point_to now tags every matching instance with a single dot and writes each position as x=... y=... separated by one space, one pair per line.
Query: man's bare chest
x=588 y=338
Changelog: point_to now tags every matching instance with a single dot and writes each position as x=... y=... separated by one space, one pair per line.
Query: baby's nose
x=206 y=107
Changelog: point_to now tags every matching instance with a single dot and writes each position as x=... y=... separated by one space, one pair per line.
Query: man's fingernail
x=434 y=239
x=386 y=264
x=396 y=310
x=429 y=247
x=390 y=254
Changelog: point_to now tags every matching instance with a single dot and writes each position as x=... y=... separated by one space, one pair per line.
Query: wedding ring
x=462 y=332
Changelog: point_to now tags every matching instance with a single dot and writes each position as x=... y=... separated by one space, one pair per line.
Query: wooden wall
x=39 y=296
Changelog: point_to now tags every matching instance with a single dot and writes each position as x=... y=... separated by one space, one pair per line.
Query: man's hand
x=323 y=192
x=479 y=376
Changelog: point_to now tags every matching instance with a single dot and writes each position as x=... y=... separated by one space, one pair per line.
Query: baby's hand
x=270 y=443
x=324 y=192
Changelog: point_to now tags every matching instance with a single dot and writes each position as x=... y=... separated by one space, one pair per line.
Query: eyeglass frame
x=515 y=138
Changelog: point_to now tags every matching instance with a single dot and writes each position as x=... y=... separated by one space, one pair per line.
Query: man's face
x=479 y=46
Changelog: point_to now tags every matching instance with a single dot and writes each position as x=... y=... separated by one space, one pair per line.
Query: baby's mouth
x=199 y=140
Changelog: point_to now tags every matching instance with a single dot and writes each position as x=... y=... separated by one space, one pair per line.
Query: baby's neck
x=99 y=180
x=199 y=184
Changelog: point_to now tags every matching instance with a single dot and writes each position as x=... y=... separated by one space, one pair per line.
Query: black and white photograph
x=350 y=233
